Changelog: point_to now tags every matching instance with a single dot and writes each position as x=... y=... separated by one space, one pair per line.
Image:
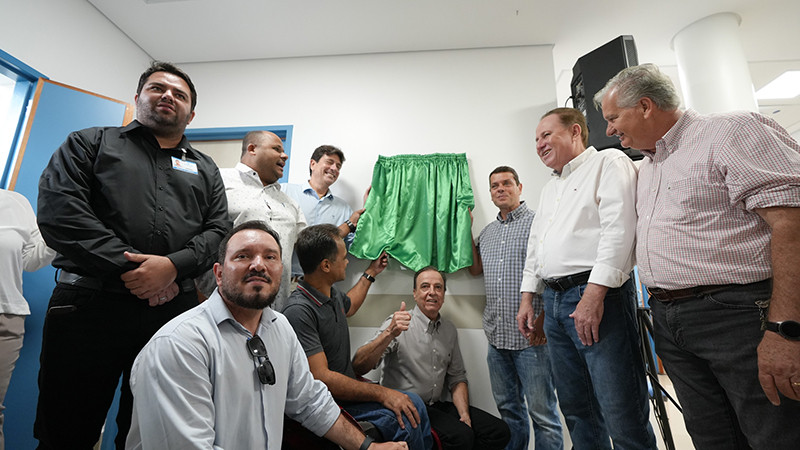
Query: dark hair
x=425 y=269
x=569 y=117
x=315 y=244
x=249 y=225
x=504 y=169
x=323 y=150
x=161 y=66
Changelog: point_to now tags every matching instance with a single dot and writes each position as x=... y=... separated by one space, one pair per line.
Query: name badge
x=184 y=166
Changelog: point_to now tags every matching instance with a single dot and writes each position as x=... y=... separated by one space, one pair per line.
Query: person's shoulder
x=447 y=324
x=193 y=329
x=297 y=303
x=192 y=321
x=202 y=158
x=16 y=197
x=291 y=188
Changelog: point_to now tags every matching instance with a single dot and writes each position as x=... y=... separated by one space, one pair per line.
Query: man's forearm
x=358 y=293
x=785 y=249
x=344 y=388
x=345 y=434
x=460 y=394
x=477 y=263
x=369 y=355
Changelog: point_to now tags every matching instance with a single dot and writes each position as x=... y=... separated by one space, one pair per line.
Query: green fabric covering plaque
x=418 y=212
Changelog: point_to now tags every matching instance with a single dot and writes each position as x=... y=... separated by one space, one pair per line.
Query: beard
x=260 y=299
x=160 y=124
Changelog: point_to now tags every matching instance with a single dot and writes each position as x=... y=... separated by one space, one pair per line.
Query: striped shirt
x=503 y=248
x=698 y=194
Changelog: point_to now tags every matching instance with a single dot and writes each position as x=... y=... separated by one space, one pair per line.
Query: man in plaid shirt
x=718 y=245
x=519 y=369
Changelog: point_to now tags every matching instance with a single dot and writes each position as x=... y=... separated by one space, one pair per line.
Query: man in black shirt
x=135 y=213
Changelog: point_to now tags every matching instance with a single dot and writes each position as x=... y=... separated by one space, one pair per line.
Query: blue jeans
x=386 y=421
x=519 y=375
x=708 y=346
x=601 y=388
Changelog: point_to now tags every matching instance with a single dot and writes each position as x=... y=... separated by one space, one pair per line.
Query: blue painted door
x=56 y=110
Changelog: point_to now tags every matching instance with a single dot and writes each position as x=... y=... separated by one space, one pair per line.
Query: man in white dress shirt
x=254 y=194
x=580 y=256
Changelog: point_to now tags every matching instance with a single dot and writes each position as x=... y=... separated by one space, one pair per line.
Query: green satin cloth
x=418 y=212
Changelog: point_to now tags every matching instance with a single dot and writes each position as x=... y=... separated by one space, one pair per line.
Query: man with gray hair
x=718 y=245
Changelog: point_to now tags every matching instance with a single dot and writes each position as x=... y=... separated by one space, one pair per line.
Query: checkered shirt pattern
x=503 y=246
x=698 y=194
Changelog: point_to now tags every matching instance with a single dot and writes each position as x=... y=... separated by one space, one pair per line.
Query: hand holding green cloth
x=418 y=212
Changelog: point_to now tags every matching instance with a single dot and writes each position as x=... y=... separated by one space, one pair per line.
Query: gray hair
x=634 y=83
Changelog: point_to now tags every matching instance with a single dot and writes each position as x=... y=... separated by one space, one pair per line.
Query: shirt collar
x=576 y=162
x=669 y=143
x=249 y=172
x=137 y=127
x=316 y=297
x=514 y=214
x=307 y=188
x=220 y=312
x=431 y=326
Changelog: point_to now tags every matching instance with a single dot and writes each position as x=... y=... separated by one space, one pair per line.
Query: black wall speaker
x=590 y=73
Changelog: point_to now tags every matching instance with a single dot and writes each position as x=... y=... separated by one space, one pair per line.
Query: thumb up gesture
x=400 y=320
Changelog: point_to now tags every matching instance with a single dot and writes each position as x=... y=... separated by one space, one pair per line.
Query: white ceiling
x=185 y=31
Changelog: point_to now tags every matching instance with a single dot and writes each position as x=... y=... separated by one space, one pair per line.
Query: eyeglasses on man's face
x=265 y=371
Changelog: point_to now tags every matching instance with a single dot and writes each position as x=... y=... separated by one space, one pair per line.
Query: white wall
x=485 y=103
x=71 y=42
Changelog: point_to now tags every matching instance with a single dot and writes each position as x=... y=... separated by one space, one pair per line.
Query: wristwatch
x=369 y=277
x=367 y=442
x=350 y=225
x=788 y=329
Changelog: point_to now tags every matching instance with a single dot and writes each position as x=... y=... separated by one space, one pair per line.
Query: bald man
x=254 y=194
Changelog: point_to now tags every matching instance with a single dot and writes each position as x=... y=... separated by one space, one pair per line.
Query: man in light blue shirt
x=315 y=198
x=223 y=374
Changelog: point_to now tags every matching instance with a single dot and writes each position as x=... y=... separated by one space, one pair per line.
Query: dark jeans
x=91 y=339
x=708 y=346
x=385 y=420
x=487 y=432
x=601 y=388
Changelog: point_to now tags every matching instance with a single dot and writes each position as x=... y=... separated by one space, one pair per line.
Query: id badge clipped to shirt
x=184 y=165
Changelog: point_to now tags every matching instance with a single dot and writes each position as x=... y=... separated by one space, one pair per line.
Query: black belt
x=116 y=286
x=567 y=282
x=669 y=295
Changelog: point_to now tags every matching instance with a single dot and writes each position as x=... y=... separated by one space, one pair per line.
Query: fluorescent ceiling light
x=787 y=85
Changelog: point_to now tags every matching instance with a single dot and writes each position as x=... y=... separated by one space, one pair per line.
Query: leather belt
x=667 y=295
x=116 y=286
x=567 y=282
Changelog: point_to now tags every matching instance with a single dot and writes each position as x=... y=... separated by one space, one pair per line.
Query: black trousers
x=487 y=433
x=91 y=339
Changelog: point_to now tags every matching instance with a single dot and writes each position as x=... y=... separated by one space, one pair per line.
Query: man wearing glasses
x=223 y=374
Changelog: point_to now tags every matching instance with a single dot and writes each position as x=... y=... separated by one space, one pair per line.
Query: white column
x=712 y=67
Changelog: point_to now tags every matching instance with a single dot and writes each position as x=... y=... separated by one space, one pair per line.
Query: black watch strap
x=368 y=277
x=351 y=225
x=788 y=329
x=367 y=442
